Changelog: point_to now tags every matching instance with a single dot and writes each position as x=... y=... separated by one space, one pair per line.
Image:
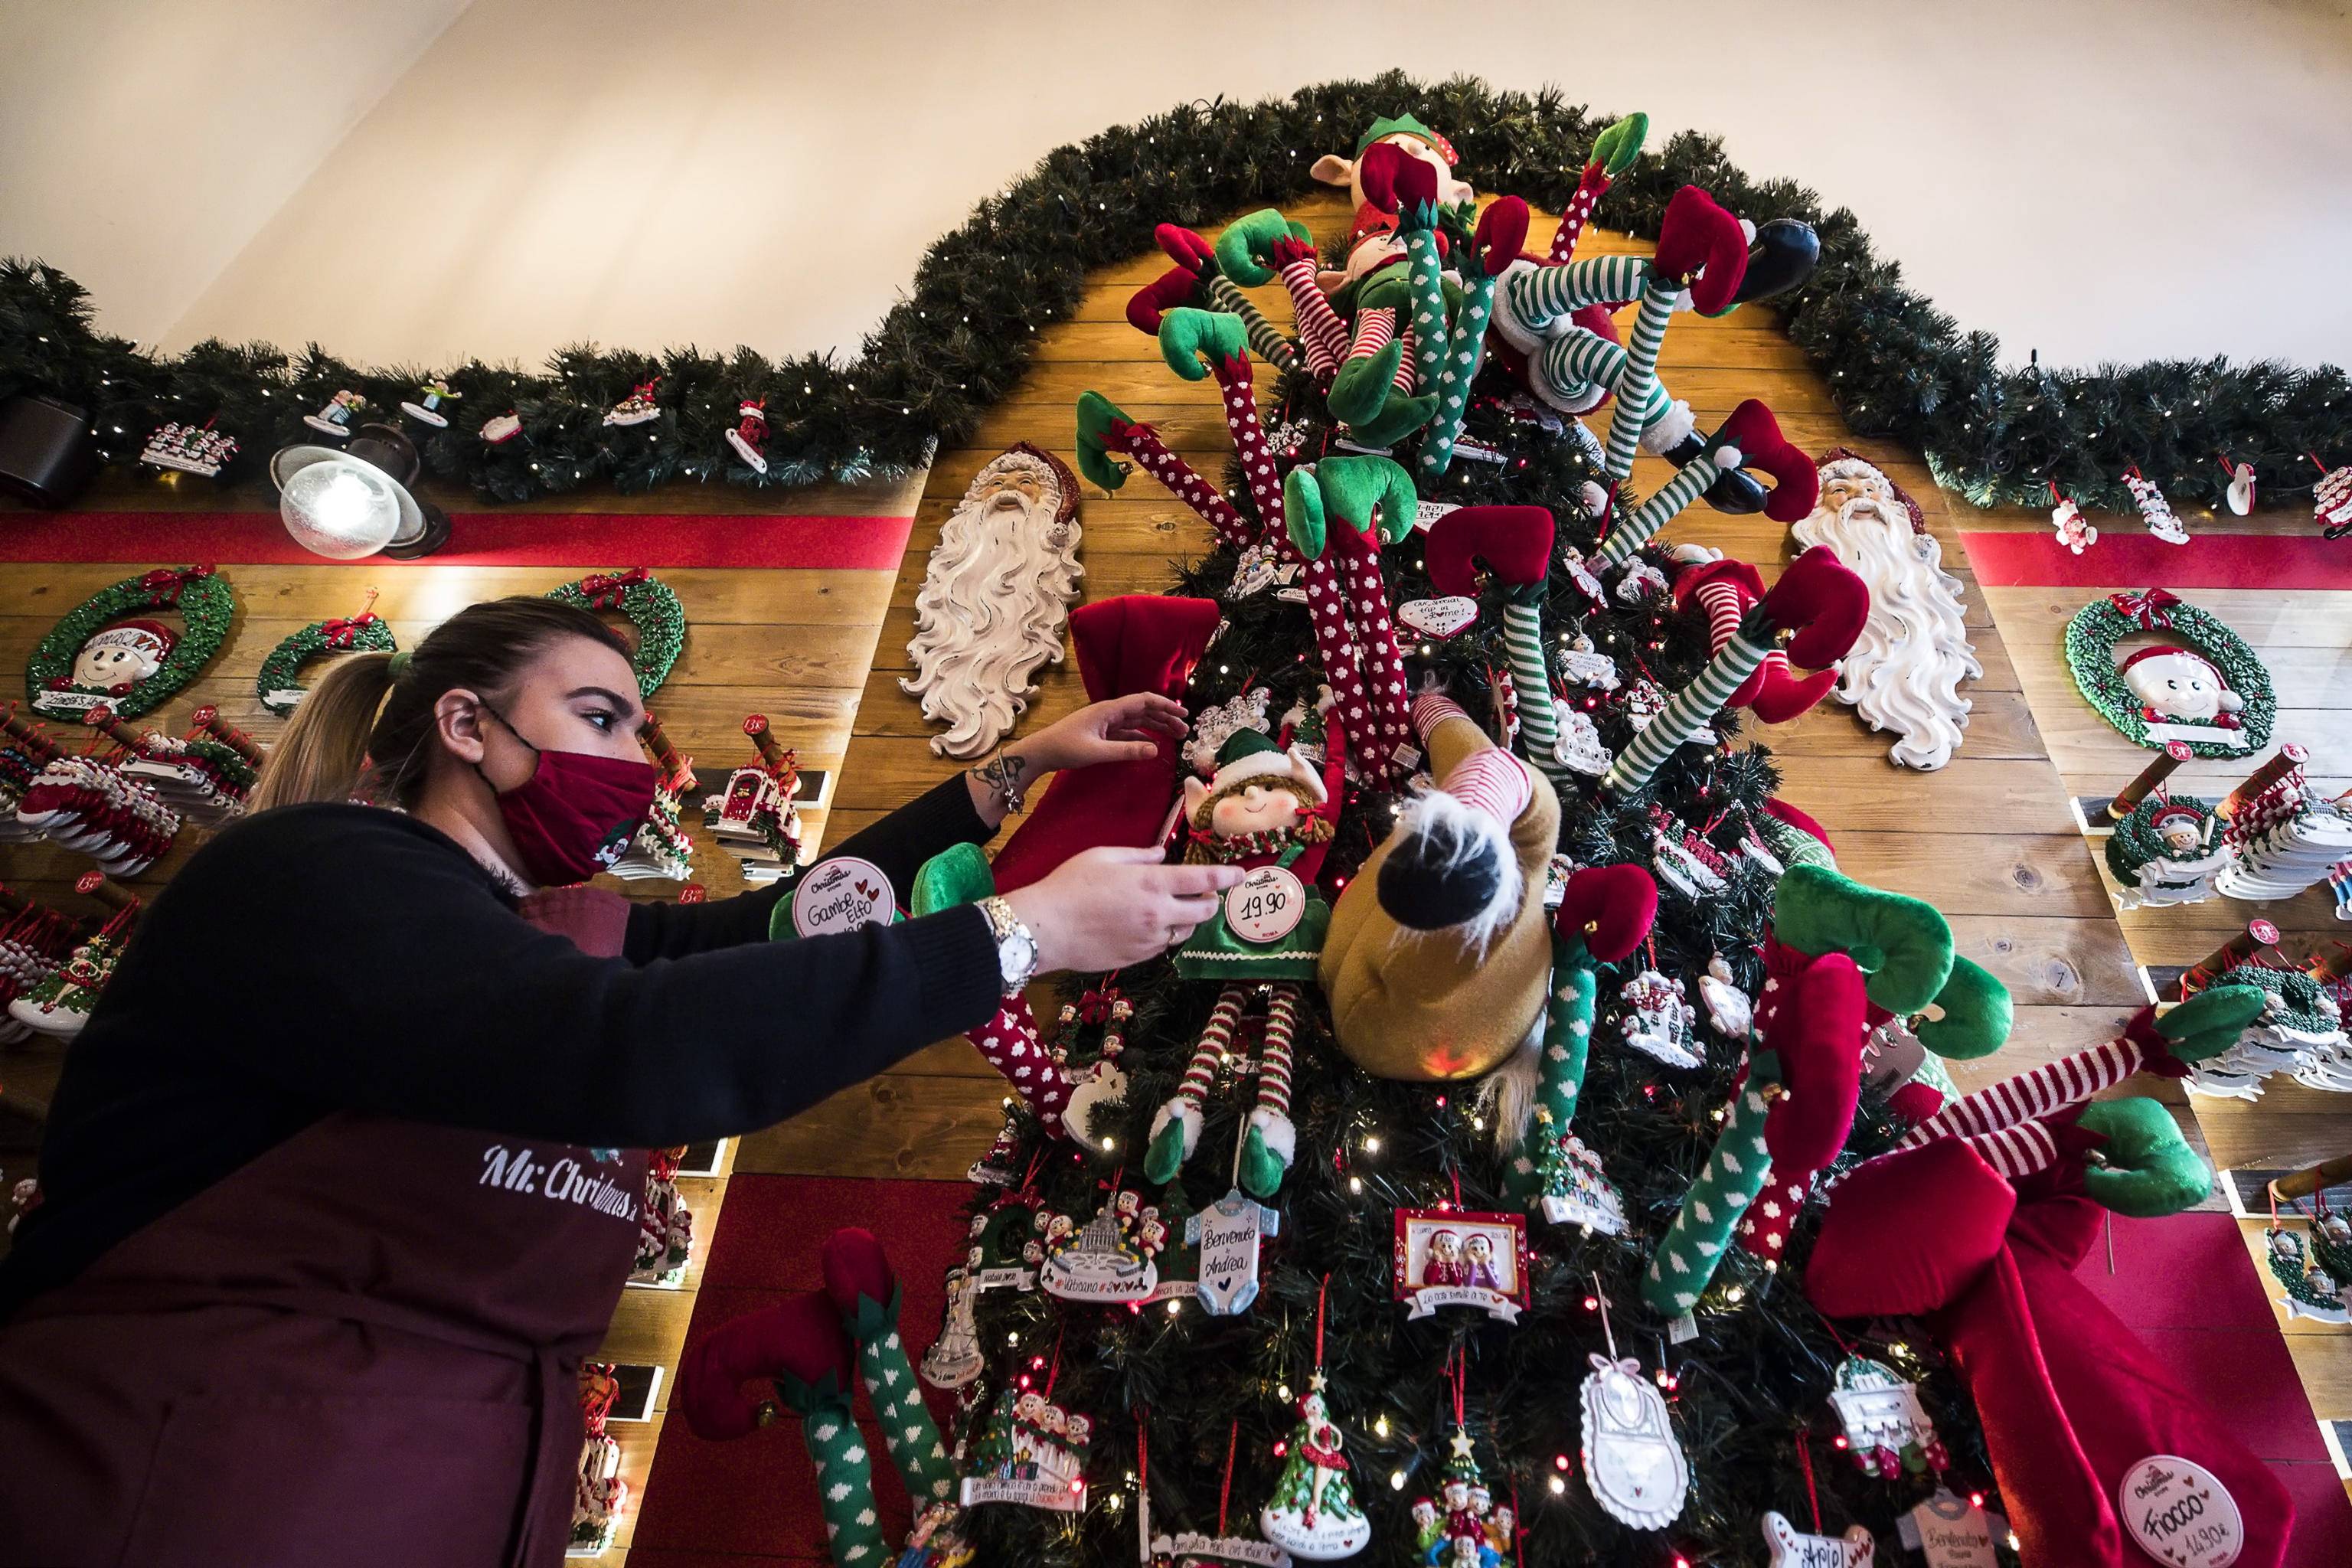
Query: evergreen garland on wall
x=962 y=337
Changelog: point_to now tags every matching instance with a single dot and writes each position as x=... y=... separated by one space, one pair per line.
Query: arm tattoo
x=1007 y=776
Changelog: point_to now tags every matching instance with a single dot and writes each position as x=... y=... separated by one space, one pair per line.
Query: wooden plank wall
x=793 y=644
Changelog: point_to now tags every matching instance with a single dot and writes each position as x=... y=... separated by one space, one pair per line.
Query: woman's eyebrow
x=627 y=705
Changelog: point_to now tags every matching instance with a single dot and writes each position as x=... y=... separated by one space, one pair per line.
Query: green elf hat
x=1407 y=125
x=1251 y=753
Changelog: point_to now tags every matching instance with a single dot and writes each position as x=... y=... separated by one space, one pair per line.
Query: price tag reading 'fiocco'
x=2177 y=1512
x=1264 y=905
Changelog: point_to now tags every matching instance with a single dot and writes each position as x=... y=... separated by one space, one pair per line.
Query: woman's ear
x=458 y=722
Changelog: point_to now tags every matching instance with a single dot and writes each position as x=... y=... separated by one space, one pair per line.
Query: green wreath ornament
x=277 y=686
x=651 y=607
x=2097 y=627
x=2136 y=840
x=206 y=606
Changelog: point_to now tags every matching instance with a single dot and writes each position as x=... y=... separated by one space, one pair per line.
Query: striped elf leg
x=1568 y=1041
x=1735 y=1171
x=1523 y=647
x=1321 y=333
x=1273 y=1141
x=845 y=1479
x=1176 y=1128
x=2031 y=1095
x=1688 y=484
x=1011 y=1043
x=1689 y=707
x=1639 y=381
x=1580 y=367
x=1265 y=337
x=1408 y=374
x=1539 y=295
x=1181 y=480
x=2018 y=1152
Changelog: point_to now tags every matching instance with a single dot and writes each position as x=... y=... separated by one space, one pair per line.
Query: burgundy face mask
x=576 y=813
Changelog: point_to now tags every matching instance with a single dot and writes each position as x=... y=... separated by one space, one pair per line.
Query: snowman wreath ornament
x=2204 y=685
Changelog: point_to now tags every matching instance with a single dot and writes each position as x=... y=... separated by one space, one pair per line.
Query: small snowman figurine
x=2175 y=686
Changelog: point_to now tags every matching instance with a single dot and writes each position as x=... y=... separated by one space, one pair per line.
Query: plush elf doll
x=1264 y=808
x=1439 y=949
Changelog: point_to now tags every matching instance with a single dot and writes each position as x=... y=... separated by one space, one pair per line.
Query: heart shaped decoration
x=1439 y=618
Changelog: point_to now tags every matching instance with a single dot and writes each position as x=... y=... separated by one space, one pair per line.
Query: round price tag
x=1264 y=905
x=2176 y=1512
x=841 y=895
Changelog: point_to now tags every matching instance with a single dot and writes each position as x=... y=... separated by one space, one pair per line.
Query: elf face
x=2179 y=834
x=106 y=662
x=1255 y=809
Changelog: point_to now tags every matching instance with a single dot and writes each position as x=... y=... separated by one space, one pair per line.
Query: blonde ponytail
x=319 y=755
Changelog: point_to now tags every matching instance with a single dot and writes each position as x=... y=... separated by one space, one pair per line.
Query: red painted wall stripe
x=2139 y=560
x=478 y=539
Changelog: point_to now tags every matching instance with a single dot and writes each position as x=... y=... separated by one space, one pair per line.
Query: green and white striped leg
x=1687 y=709
x=845 y=1480
x=1639 y=380
x=1693 y=1245
x=1523 y=650
x=1536 y=296
x=1579 y=368
x=907 y=1430
x=1453 y=385
x=1568 y=1043
x=1427 y=275
x=1688 y=484
x=1265 y=337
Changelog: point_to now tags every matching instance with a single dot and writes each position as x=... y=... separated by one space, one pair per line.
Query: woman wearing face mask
x=340 y=1181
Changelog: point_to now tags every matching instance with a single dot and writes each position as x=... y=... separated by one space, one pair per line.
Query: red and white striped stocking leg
x=2029 y=1096
x=1176 y=1126
x=1321 y=333
x=1724 y=603
x=1375 y=328
x=1403 y=382
x=1588 y=190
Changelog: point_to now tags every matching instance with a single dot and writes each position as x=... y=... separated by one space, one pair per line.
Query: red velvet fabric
x=1816 y=1034
x=799 y=1336
x=1797 y=483
x=1136 y=641
x=1514 y=541
x=1822 y=603
x=1697 y=234
x=1618 y=901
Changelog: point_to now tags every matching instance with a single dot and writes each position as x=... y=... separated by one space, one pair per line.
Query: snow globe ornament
x=1633 y=1464
x=1658 y=1021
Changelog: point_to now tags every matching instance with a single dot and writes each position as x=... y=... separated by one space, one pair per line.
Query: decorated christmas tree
x=1517 y=1072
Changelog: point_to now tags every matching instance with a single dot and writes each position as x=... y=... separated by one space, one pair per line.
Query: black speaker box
x=47 y=454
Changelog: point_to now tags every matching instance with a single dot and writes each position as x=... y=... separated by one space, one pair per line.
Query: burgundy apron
x=362 y=1347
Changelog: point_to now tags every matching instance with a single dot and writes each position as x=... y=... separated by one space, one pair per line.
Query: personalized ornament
x=1632 y=1461
x=1792 y=1548
x=665 y=1225
x=1110 y=1258
x=500 y=428
x=1462 y=1258
x=751 y=434
x=1642 y=580
x=112 y=651
x=637 y=408
x=2311 y=1289
x=198 y=449
x=1683 y=860
x=1886 y=1428
x=2331 y=501
x=1951 y=1533
x=1579 y=666
x=2074 y=531
x=1578 y=746
x=653 y=611
x=425 y=407
x=1658 y=1020
x=276 y=683
x=334 y=420
x=1104 y=1081
x=1032 y=1452
x=1438 y=619
x=1218 y=723
x=954 y=1359
x=2167 y=850
x=1730 y=1010
x=2204 y=686
x=600 y=1495
x=754 y=817
x=1462 y=1527
x=1227 y=1235
x=2154 y=510
x=1313 y=1513
x=2238 y=495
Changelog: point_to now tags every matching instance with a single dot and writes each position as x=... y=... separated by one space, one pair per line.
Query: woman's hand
x=1118 y=731
x=1109 y=907
x=1122 y=730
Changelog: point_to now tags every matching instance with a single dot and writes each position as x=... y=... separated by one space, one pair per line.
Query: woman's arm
x=362 y=961
x=966 y=809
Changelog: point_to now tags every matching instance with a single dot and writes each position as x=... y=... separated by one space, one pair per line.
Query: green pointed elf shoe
x=866 y=1293
x=1361 y=389
x=1266 y=1153
x=1399 y=418
x=1173 y=1134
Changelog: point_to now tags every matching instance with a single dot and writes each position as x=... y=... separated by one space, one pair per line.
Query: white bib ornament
x=1950 y=1532
x=2178 y=1511
x=1582 y=667
x=1440 y=618
x=1792 y=1548
x=844 y=894
x=1228 y=1234
x=1635 y=1468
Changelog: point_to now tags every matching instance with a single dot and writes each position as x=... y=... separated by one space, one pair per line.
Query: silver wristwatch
x=1016 y=950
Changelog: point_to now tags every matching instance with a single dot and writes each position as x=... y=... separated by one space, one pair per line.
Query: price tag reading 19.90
x=1264 y=905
